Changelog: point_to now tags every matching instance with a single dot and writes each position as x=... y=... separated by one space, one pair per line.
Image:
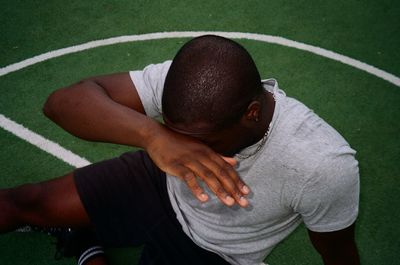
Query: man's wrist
x=149 y=133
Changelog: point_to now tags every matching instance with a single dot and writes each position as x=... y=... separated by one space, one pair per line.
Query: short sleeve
x=149 y=84
x=329 y=200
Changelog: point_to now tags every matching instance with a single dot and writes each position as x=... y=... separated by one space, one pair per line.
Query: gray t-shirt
x=305 y=172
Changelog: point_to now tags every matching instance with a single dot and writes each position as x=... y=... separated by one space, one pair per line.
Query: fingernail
x=243 y=201
x=203 y=197
x=245 y=189
x=229 y=200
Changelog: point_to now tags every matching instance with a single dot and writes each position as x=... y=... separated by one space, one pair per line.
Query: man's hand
x=186 y=158
x=108 y=109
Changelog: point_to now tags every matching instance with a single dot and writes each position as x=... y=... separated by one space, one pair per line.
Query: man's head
x=209 y=86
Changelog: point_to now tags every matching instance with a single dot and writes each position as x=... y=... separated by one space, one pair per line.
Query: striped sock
x=89 y=254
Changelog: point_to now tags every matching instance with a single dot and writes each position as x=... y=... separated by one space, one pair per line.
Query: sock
x=89 y=254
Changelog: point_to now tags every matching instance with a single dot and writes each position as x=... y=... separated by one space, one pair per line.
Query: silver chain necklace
x=260 y=145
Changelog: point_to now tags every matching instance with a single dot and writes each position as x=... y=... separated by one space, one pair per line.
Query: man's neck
x=267 y=114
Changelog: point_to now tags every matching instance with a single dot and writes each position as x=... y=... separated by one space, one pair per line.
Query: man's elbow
x=50 y=106
x=58 y=103
x=60 y=100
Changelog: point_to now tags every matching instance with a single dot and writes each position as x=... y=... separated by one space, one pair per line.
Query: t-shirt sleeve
x=149 y=84
x=329 y=200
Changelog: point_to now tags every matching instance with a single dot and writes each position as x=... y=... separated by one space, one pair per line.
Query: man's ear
x=253 y=112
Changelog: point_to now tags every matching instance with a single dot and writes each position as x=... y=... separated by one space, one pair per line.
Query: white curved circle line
x=183 y=34
x=77 y=161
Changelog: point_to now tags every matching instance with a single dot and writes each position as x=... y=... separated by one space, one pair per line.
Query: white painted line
x=44 y=144
x=183 y=34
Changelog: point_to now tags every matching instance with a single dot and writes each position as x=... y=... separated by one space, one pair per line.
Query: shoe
x=65 y=240
x=80 y=243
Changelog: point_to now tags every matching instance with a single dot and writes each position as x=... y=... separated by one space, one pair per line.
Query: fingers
x=221 y=178
x=223 y=184
x=192 y=161
x=230 y=160
x=239 y=183
x=212 y=181
x=189 y=177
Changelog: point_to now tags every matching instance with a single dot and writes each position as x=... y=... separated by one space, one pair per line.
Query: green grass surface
x=363 y=108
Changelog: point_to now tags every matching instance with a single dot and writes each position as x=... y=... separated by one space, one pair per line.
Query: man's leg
x=57 y=204
x=126 y=200
x=53 y=203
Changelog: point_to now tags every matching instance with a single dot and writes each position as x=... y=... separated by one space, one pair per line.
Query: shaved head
x=209 y=85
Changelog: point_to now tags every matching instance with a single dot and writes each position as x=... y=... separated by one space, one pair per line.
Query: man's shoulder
x=303 y=141
x=302 y=129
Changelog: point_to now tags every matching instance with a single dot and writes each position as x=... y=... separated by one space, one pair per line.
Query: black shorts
x=127 y=201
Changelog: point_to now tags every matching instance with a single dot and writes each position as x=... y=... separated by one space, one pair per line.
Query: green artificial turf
x=363 y=108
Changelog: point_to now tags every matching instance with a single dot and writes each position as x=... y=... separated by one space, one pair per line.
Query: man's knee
x=20 y=205
x=28 y=197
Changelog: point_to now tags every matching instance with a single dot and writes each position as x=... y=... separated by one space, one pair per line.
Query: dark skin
x=92 y=109
x=248 y=130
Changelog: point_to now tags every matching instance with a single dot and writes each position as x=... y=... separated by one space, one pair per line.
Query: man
x=288 y=165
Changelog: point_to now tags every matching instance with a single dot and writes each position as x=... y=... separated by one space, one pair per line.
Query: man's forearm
x=86 y=111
